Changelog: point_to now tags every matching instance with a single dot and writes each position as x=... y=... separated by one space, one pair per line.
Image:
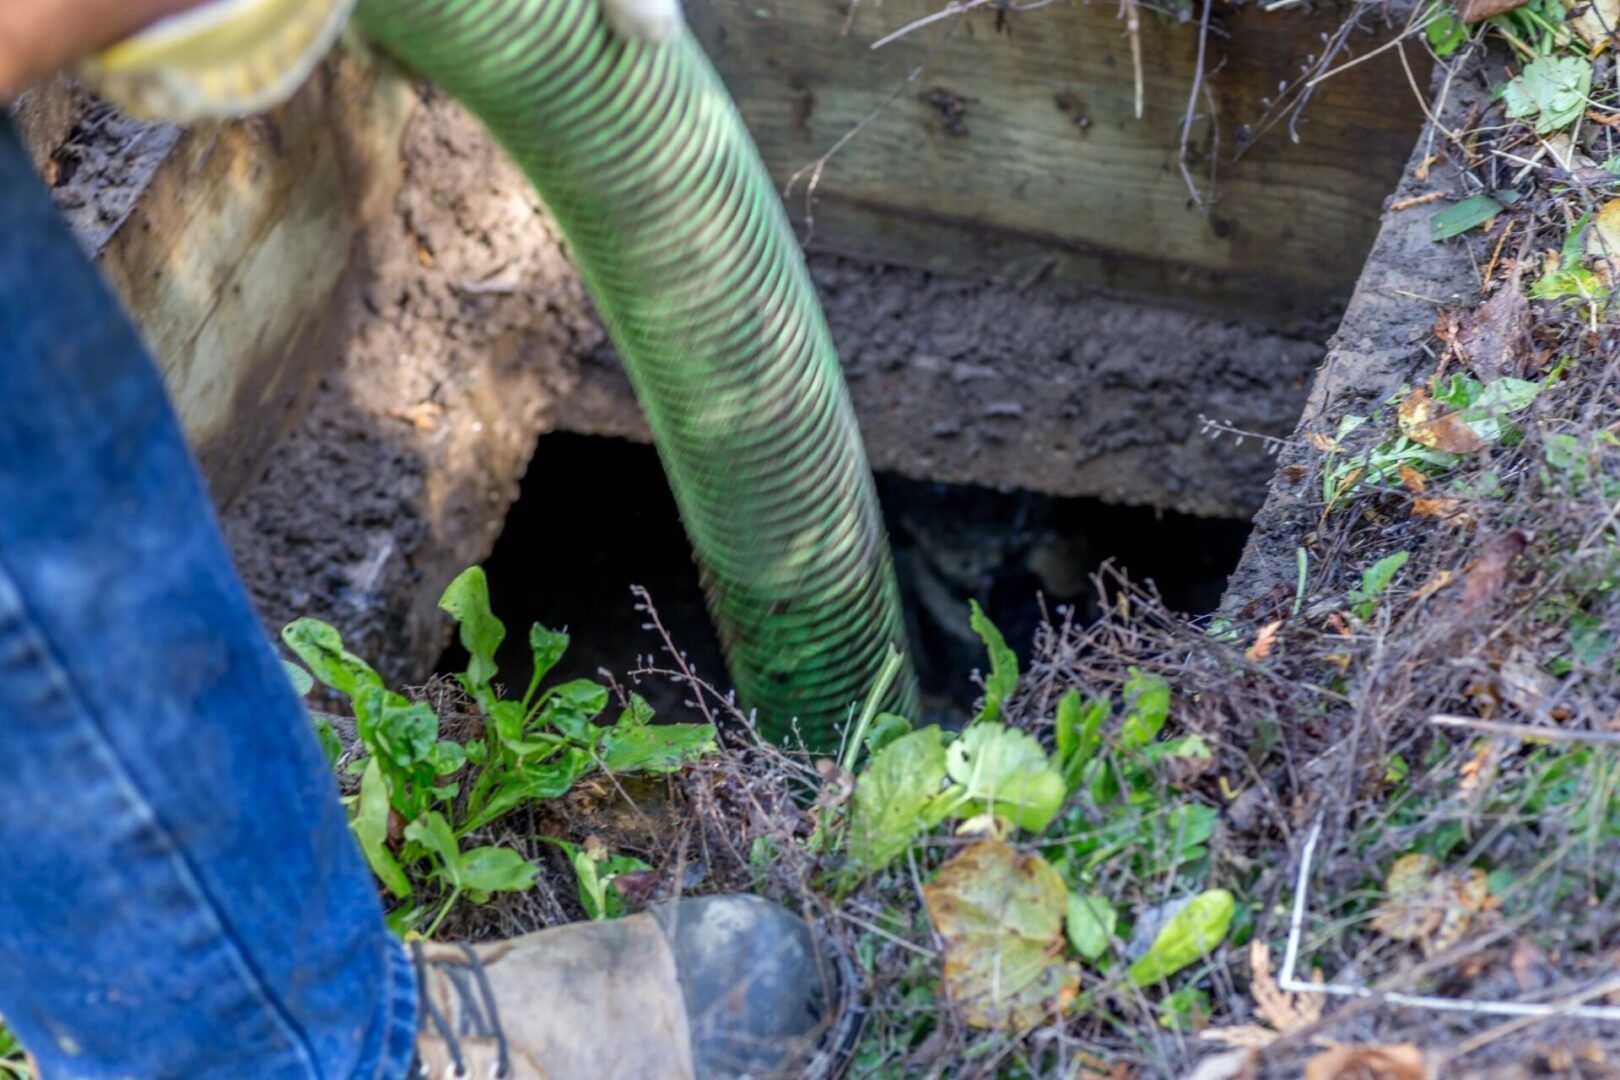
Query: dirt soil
x=1044 y=386
x=472 y=336
x=464 y=340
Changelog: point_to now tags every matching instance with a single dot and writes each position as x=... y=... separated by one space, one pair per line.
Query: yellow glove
x=225 y=58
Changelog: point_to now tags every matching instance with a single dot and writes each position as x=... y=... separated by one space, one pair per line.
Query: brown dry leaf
x=1478 y=769
x=1000 y=914
x=1322 y=442
x=1444 y=507
x=1264 y=642
x=1412 y=480
x=1410 y=911
x=1234 y=1065
x=1423 y=422
x=1402 y=1061
x=1494 y=337
x=1441 y=579
x=1596 y=19
x=1428 y=906
x=1285 y=1013
x=1488 y=573
x=1472 y=11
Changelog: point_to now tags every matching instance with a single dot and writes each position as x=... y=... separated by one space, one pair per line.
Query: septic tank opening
x=596 y=516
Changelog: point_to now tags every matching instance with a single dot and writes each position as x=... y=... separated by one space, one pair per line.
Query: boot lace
x=479 y=1017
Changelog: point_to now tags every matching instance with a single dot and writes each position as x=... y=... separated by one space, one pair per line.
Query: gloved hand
x=215 y=59
x=39 y=36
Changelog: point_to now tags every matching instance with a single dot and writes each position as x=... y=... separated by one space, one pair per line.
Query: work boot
x=718 y=987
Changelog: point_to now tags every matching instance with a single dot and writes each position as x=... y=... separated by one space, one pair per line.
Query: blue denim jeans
x=179 y=893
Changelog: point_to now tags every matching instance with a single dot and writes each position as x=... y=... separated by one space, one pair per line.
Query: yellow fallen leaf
x=1603 y=241
x=1000 y=914
x=1425 y=423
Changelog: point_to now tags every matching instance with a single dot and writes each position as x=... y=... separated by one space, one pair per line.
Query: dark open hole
x=596 y=517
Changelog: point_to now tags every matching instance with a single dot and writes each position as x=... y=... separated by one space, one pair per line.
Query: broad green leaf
x=1091 y=924
x=595 y=874
x=1193 y=933
x=1552 y=91
x=569 y=708
x=1147 y=707
x=303 y=682
x=1445 y=31
x=1459 y=217
x=550 y=780
x=446 y=757
x=1000 y=915
x=1003 y=678
x=371 y=830
x=320 y=647
x=888 y=808
x=656 y=749
x=637 y=714
x=508 y=717
x=433 y=832
x=884 y=730
x=1004 y=771
x=1079 y=734
x=406 y=733
x=486 y=870
x=467 y=601
x=547 y=647
x=331 y=745
x=1377 y=577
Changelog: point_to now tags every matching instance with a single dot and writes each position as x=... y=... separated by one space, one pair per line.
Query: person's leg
x=182 y=897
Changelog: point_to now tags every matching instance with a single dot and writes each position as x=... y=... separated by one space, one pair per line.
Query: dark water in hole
x=596 y=517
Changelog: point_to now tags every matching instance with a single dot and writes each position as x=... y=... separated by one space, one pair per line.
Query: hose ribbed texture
x=678 y=232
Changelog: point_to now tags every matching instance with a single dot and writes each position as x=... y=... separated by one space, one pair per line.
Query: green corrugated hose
x=683 y=242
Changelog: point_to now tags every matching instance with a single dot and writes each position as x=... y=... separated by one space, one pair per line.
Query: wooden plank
x=1018 y=155
x=231 y=244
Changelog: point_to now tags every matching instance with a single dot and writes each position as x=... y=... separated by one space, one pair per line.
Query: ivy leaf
x=1091 y=924
x=370 y=827
x=1004 y=771
x=1000 y=915
x=467 y=600
x=320 y=647
x=889 y=806
x=1551 y=90
x=661 y=749
x=1193 y=933
x=1003 y=678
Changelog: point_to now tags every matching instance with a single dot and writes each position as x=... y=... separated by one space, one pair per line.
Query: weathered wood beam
x=1016 y=153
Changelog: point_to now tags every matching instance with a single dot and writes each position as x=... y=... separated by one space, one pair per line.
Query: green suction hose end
x=679 y=234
